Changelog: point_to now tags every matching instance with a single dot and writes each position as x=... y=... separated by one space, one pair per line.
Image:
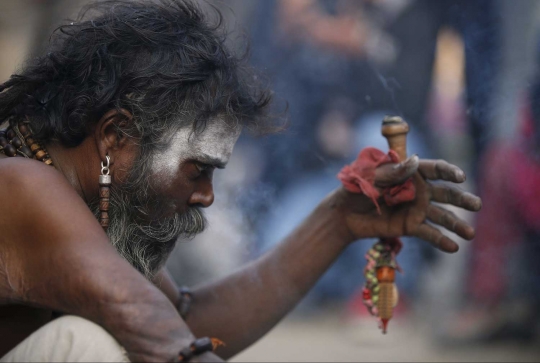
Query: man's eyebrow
x=211 y=160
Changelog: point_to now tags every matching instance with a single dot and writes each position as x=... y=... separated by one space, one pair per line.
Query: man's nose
x=203 y=197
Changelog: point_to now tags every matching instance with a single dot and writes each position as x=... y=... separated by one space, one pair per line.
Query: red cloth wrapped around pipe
x=359 y=177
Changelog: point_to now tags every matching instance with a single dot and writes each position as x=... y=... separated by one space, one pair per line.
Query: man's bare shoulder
x=38 y=197
x=31 y=181
x=19 y=173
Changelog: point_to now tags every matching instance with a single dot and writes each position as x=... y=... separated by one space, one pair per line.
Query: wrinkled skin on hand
x=362 y=219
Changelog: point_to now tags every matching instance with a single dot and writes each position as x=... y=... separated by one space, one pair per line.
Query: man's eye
x=203 y=167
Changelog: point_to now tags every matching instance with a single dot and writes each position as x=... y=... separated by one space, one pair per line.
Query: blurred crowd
x=466 y=79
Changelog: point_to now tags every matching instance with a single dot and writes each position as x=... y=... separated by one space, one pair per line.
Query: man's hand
x=362 y=219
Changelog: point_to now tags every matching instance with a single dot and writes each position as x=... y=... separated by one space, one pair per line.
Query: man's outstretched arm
x=244 y=306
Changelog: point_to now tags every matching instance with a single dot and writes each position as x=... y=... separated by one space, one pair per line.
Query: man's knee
x=68 y=339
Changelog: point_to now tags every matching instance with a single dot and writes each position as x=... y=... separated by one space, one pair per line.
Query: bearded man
x=140 y=103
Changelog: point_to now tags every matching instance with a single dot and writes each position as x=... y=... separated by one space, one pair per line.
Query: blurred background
x=465 y=75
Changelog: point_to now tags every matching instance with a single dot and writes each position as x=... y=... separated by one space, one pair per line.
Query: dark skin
x=55 y=256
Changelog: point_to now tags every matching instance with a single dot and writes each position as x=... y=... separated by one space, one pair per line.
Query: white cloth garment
x=68 y=339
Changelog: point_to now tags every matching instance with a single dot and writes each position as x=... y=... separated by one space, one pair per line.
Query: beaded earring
x=104 y=193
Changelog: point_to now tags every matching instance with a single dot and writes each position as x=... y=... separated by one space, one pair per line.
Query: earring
x=104 y=193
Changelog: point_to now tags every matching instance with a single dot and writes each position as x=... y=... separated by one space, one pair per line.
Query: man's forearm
x=119 y=299
x=244 y=306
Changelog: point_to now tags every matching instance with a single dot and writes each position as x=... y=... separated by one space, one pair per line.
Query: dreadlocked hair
x=164 y=61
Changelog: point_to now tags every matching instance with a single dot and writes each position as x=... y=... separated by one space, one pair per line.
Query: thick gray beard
x=146 y=245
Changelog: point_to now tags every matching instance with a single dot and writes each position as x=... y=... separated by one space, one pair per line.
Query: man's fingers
x=392 y=174
x=436 y=238
x=450 y=221
x=452 y=195
x=440 y=169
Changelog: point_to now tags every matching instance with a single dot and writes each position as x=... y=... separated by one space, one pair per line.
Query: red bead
x=366 y=294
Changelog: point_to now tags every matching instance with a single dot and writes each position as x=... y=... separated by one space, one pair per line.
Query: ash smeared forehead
x=216 y=142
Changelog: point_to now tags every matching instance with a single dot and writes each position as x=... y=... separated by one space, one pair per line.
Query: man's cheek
x=153 y=206
x=162 y=209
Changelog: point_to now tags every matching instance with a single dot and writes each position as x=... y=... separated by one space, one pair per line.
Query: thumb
x=391 y=174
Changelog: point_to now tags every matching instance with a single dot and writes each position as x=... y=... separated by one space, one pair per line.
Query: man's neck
x=65 y=161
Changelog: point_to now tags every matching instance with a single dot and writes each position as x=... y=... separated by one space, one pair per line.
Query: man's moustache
x=185 y=224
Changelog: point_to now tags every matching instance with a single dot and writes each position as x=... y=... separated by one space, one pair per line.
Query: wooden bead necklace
x=17 y=140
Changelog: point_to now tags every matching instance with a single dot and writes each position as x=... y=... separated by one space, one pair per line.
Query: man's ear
x=108 y=132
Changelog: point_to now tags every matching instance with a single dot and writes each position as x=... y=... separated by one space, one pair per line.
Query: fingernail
x=413 y=162
x=479 y=204
x=460 y=175
x=409 y=163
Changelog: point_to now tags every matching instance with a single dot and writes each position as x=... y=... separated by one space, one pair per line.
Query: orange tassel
x=216 y=343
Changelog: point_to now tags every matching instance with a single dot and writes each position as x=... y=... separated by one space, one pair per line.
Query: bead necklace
x=17 y=140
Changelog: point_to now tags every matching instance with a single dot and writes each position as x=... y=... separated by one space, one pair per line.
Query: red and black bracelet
x=198 y=347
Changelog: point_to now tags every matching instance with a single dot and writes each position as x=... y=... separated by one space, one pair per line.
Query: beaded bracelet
x=198 y=347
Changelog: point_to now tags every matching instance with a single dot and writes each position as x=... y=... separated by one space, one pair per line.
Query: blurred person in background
x=503 y=285
x=349 y=59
